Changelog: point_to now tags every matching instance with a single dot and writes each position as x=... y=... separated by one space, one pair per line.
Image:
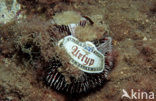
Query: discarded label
x=84 y=55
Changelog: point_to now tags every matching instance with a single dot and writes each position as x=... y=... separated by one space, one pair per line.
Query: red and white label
x=84 y=55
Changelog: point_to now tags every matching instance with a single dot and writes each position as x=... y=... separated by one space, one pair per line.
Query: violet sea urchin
x=70 y=80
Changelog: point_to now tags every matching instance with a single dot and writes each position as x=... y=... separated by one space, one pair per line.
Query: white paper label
x=84 y=55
